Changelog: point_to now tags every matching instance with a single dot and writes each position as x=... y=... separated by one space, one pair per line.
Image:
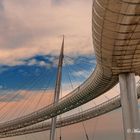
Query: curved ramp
x=97 y=84
x=116 y=33
x=96 y=111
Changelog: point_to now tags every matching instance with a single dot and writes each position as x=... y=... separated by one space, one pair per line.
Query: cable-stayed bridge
x=116 y=31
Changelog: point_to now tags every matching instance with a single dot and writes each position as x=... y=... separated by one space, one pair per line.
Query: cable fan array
x=75 y=71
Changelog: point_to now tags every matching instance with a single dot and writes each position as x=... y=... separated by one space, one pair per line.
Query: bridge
x=115 y=32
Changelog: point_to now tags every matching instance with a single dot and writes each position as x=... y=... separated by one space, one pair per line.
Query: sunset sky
x=30 y=41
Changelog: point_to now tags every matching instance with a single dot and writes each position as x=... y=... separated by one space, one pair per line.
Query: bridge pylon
x=57 y=89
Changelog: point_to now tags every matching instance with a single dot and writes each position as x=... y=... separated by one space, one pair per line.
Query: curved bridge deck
x=116 y=39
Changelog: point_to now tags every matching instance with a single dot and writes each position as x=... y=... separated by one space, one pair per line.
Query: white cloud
x=81 y=73
x=31 y=27
x=32 y=62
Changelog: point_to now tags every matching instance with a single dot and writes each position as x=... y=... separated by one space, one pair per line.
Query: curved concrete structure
x=96 y=111
x=116 y=32
x=72 y=119
x=97 y=84
x=116 y=35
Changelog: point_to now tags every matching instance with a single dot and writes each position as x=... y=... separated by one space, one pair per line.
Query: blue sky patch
x=39 y=72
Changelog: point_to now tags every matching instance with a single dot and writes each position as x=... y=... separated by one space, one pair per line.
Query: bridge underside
x=116 y=39
x=116 y=35
x=98 y=110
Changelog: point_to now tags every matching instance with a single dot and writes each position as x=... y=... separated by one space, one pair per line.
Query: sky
x=30 y=41
x=37 y=27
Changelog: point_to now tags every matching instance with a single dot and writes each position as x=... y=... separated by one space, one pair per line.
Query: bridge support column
x=129 y=106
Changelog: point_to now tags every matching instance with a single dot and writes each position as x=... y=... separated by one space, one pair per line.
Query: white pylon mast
x=57 y=89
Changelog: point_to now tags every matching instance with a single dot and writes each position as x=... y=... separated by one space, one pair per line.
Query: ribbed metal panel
x=116 y=35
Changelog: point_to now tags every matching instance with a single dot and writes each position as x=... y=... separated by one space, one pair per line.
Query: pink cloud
x=36 y=26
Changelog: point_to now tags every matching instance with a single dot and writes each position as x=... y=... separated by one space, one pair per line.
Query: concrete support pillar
x=129 y=103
